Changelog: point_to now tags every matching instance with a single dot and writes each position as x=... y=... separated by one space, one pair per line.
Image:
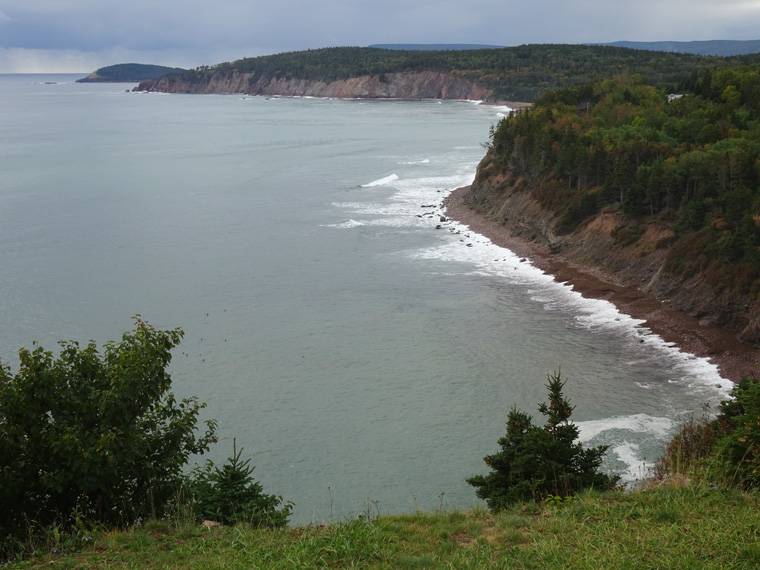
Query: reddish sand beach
x=733 y=358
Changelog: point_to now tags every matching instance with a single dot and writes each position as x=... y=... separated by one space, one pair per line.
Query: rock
x=402 y=85
x=498 y=194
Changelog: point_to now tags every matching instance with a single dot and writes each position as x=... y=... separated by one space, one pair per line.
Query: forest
x=689 y=159
x=128 y=73
x=515 y=74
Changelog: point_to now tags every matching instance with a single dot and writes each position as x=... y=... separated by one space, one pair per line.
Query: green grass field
x=689 y=526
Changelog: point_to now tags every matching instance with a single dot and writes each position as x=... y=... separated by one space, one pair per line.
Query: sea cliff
x=723 y=325
x=405 y=85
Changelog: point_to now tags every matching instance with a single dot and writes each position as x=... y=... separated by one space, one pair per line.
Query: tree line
x=520 y=73
x=690 y=160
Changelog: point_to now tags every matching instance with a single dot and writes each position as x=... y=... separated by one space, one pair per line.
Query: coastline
x=720 y=346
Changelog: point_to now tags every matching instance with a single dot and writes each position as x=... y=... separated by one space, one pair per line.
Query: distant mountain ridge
x=434 y=47
x=128 y=73
x=720 y=48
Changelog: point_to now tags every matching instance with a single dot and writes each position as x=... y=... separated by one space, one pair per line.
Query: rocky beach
x=720 y=345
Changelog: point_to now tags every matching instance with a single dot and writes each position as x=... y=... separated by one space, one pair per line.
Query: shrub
x=740 y=448
x=94 y=436
x=229 y=495
x=535 y=462
x=691 y=449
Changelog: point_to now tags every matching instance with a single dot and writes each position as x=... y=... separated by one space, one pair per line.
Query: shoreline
x=718 y=345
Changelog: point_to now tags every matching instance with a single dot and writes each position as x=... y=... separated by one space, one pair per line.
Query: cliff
x=406 y=85
x=520 y=73
x=601 y=244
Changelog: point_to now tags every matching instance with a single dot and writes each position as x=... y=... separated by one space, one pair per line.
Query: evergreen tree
x=229 y=495
x=538 y=461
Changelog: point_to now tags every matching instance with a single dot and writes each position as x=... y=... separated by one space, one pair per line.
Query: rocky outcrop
x=638 y=263
x=409 y=85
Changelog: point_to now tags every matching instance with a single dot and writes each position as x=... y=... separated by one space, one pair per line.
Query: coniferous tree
x=535 y=461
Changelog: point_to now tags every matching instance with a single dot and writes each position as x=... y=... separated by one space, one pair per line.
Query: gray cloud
x=200 y=29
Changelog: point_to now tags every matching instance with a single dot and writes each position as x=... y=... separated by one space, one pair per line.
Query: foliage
x=723 y=449
x=691 y=450
x=92 y=435
x=535 y=462
x=690 y=162
x=128 y=73
x=691 y=527
x=230 y=495
x=740 y=447
x=520 y=73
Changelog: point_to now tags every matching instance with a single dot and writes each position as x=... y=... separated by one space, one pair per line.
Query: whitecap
x=418 y=203
x=345 y=225
x=503 y=110
x=381 y=181
x=660 y=427
x=597 y=315
x=618 y=431
x=636 y=466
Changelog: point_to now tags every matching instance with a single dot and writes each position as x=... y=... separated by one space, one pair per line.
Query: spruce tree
x=535 y=461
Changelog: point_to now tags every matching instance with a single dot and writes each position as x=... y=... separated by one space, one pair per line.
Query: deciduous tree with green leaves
x=95 y=435
x=535 y=461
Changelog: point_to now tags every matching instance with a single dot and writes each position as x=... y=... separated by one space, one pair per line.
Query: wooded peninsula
x=508 y=74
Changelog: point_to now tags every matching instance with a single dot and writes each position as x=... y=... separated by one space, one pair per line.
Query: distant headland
x=128 y=73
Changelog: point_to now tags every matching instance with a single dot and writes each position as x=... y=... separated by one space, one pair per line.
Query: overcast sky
x=83 y=35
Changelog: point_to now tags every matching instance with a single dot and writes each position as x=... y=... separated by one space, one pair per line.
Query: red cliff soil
x=733 y=358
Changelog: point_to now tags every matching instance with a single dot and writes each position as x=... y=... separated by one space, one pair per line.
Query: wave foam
x=636 y=466
x=381 y=181
x=618 y=431
x=417 y=203
x=636 y=423
x=345 y=225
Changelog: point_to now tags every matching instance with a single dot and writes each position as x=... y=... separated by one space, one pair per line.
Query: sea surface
x=362 y=358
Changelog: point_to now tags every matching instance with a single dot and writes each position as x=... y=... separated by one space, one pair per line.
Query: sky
x=77 y=36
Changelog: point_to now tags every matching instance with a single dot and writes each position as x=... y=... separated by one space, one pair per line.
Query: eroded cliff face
x=499 y=195
x=417 y=85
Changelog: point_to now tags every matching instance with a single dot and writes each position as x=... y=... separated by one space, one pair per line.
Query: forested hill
x=509 y=74
x=721 y=48
x=128 y=73
x=661 y=193
x=435 y=47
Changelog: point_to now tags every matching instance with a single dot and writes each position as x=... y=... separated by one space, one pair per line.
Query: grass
x=692 y=526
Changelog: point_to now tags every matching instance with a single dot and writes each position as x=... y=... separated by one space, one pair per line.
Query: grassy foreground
x=698 y=527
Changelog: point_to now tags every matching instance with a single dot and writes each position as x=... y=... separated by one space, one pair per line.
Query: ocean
x=361 y=357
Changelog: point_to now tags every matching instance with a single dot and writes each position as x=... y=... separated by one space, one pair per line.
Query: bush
x=740 y=448
x=229 y=495
x=535 y=462
x=94 y=436
x=691 y=449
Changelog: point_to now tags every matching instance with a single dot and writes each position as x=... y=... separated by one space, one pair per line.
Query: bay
x=361 y=357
